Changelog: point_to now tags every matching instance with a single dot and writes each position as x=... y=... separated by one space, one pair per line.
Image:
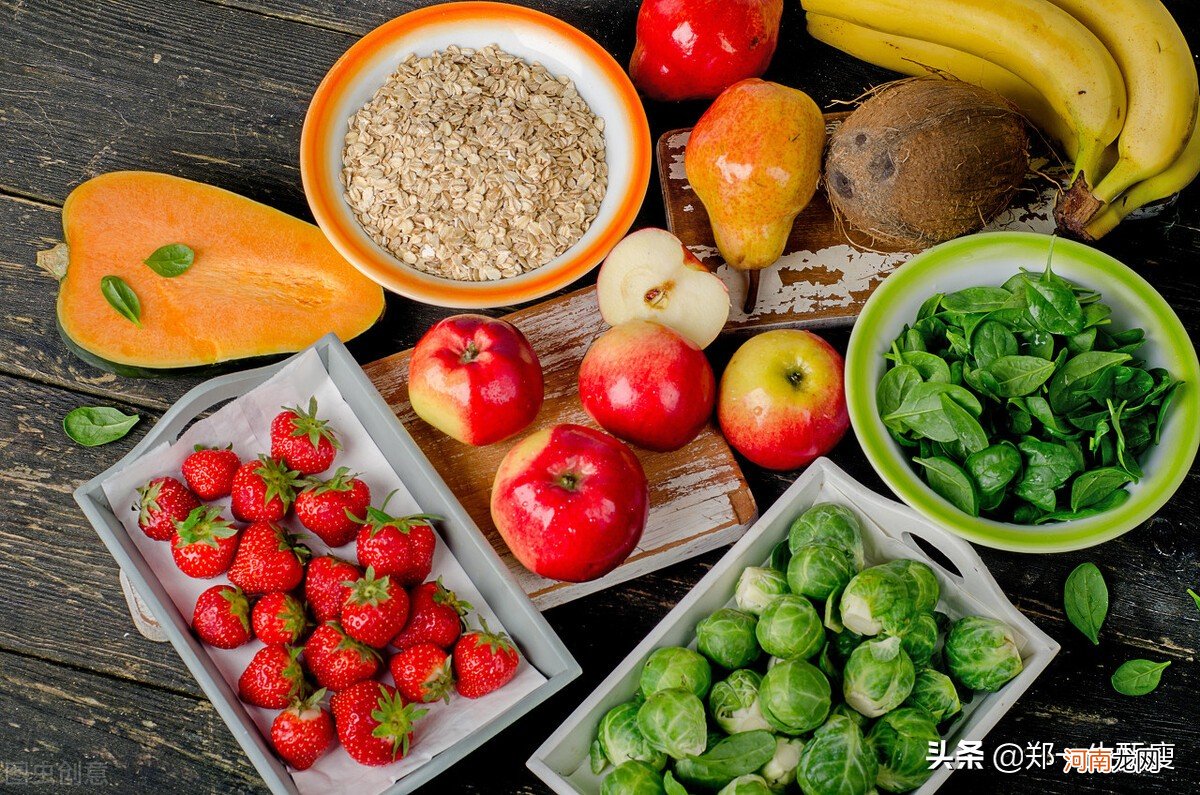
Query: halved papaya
x=261 y=283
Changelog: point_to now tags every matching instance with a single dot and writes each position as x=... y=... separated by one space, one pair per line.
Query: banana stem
x=751 y=292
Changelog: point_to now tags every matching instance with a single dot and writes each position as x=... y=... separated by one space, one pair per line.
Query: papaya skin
x=263 y=284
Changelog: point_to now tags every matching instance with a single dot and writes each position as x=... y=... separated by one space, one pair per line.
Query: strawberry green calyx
x=347 y=643
x=306 y=423
x=339 y=482
x=369 y=589
x=444 y=596
x=148 y=499
x=440 y=683
x=201 y=447
x=280 y=481
x=293 y=673
x=311 y=702
x=496 y=641
x=289 y=543
x=396 y=720
x=239 y=605
x=377 y=519
x=204 y=525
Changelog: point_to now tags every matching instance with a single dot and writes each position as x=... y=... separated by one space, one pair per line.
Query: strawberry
x=263 y=490
x=204 y=543
x=396 y=545
x=375 y=610
x=436 y=617
x=422 y=673
x=268 y=559
x=422 y=543
x=222 y=617
x=328 y=507
x=279 y=618
x=337 y=660
x=484 y=661
x=324 y=587
x=302 y=441
x=209 y=471
x=273 y=678
x=303 y=732
x=161 y=503
x=374 y=724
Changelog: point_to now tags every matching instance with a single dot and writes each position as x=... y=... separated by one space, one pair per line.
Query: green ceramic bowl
x=989 y=259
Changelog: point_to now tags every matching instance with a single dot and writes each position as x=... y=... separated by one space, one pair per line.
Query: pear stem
x=751 y=292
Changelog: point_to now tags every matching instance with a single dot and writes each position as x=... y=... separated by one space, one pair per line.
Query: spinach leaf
x=1039 y=344
x=967 y=430
x=1096 y=314
x=1019 y=375
x=991 y=341
x=1131 y=384
x=171 y=260
x=994 y=467
x=1039 y=407
x=1068 y=389
x=931 y=366
x=1195 y=597
x=1114 y=500
x=1085 y=598
x=1053 y=307
x=1083 y=341
x=1047 y=465
x=951 y=482
x=930 y=307
x=92 y=426
x=1138 y=677
x=121 y=297
x=1095 y=485
x=1168 y=396
x=736 y=755
x=893 y=388
x=976 y=300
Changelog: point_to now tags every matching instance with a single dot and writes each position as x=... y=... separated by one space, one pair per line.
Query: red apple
x=782 y=400
x=570 y=502
x=648 y=385
x=475 y=378
x=695 y=49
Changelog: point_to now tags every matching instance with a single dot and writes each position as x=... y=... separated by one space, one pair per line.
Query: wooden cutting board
x=699 y=499
x=826 y=272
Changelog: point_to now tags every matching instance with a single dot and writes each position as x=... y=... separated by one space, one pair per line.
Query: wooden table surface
x=216 y=90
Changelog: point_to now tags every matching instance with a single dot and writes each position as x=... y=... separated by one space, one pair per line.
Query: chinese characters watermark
x=1123 y=757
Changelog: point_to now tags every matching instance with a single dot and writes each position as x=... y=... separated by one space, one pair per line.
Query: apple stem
x=469 y=353
x=568 y=480
x=751 y=292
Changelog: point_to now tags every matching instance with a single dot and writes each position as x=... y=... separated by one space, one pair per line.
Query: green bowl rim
x=1178 y=350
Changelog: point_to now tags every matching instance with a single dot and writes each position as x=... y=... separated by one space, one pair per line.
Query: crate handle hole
x=934 y=554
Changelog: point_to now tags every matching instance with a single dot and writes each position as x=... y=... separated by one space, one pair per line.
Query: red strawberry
x=328 y=508
x=484 y=661
x=161 y=503
x=393 y=545
x=302 y=441
x=375 y=610
x=436 y=617
x=303 y=732
x=204 y=543
x=323 y=586
x=209 y=471
x=374 y=724
x=263 y=490
x=422 y=673
x=273 y=678
x=222 y=617
x=268 y=559
x=279 y=618
x=422 y=543
x=337 y=660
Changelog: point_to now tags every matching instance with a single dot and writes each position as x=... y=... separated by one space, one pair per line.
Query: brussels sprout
x=846 y=642
x=675 y=666
x=935 y=693
x=878 y=677
x=828 y=665
x=746 y=785
x=982 y=653
x=923 y=587
x=733 y=756
x=780 y=556
x=833 y=611
x=727 y=638
x=733 y=703
x=633 y=778
x=673 y=721
x=757 y=587
x=794 y=697
x=920 y=638
x=780 y=770
x=901 y=741
x=877 y=600
x=847 y=711
x=830 y=524
x=837 y=761
x=818 y=570
x=620 y=739
x=790 y=627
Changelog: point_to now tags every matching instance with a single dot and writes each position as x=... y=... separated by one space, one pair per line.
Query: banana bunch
x=1111 y=81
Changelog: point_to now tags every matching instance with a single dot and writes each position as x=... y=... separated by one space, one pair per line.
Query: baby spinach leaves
x=1085 y=599
x=92 y=426
x=1138 y=677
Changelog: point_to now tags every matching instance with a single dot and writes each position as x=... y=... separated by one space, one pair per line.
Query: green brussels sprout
x=620 y=739
x=828 y=665
x=790 y=627
x=923 y=587
x=827 y=523
x=633 y=778
x=673 y=721
x=757 y=587
x=877 y=600
x=982 y=653
x=818 y=570
x=901 y=741
x=794 y=697
x=837 y=761
x=675 y=666
x=846 y=642
x=780 y=770
x=733 y=703
x=920 y=638
x=935 y=693
x=833 y=611
x=878 y=677
x=727 y=638
x=780 y=556
x=847 y=711
x=746 y=785
x=733 y=756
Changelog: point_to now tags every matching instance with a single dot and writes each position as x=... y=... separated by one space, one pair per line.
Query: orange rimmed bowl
x=526 y=33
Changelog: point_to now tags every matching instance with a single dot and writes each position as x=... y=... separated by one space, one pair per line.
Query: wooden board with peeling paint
x=826 y=272
x=699 y=499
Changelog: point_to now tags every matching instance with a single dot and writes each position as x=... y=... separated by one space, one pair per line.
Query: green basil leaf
x=95 y=425
x=994 y=467
x=121 y=297
x=171 y=260
x=1094 y=485
x=1020 y=375
x=976 y=300
x=1138 y=677
x=1085 y=599
x=1053 y=307
x=951 y=482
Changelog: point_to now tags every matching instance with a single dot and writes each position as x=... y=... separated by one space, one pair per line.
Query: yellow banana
x=1175 y=178
x=918 y=58
x=1037 y=41
x=1160 y=85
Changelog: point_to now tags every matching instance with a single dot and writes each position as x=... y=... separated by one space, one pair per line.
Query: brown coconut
x=926 y=159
